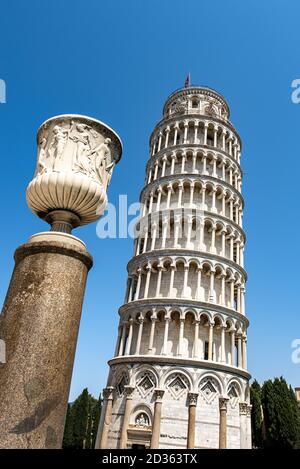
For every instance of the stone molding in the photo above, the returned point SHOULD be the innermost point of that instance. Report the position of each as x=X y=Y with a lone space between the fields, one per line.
x=54 y=247
x=198 y=177
x=223 y=403
x=137 y=305
x=182 y=117
x=191 y=147
x=180 y=362
x=183 y=253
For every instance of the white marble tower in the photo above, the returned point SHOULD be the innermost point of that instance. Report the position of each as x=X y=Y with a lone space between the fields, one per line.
x=179 y=377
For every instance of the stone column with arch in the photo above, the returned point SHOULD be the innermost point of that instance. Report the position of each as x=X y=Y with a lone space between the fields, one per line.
x=128 y=392
x=223 y=423
x=107 y=407
x=192 y=403
x=158 y=393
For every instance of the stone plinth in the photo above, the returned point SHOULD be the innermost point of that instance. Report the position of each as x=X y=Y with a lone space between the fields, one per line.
x=41 y=318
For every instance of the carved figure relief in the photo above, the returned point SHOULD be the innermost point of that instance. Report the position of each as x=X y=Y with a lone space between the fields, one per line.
x=180 y=106
x=142 y=420
x=210 y=110
x=77 y=147
x=82 y=140
x=57 y=146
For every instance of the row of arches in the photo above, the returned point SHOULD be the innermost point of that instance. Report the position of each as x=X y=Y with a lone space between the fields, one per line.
x=159 y=380
x=185 y=277
x=192 y=232
x=195 y=131
x=174 y=333
x=141 y=405
x=188 y=193
x=190 y=161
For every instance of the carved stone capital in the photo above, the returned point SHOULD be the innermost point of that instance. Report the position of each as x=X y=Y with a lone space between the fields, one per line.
x=158 y=393
x=223 y=403
x=243 y=406
x=108 y=393
x=128 y=390
x=193 y=396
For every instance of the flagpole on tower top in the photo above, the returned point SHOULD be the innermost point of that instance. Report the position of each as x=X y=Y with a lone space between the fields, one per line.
x=187 y=82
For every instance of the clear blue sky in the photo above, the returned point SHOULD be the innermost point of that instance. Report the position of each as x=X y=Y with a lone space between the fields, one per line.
x=118 y=61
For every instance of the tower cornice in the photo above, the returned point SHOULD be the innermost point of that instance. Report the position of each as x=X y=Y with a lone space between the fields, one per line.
x=192 y=116
x=193 y=147
x=178 y=361
x=181 y=253
x=199 y=177
x=205 y=213
x=184 y=303
x=204 y=90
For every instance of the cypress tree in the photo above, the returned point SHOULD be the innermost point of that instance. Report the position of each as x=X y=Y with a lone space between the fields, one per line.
x=80 y=412
x=68 y=433
x=281 y=419
x=268 y=403
x=96 y=413
x=296 y=416
x=88 y=439
x=82 y=421
x=256 y=415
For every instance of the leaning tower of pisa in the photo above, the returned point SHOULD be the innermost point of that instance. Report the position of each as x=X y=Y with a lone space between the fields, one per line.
x=179 y=376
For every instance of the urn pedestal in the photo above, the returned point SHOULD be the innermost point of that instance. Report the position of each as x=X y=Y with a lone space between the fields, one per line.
x=42 y=309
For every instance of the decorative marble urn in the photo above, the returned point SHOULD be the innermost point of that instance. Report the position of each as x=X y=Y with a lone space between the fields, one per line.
x=76 y=158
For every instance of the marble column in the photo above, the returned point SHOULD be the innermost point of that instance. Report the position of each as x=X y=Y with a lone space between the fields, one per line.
x=118 y=342
x=196 y=339
x=249 y=429
x=239 y=351
x=243 y=424
x=122 y=341
x=107 y=411
x=223 y=351
x=148 y=269
x=156 y=418
x=244 y=352
x=127 y=411
x=223 y=423
x=140 y=322
x=129 y=338
x=232 y=354
x=40 y=322
x=180 y=338
x=138 y=285
x=151 y=337
x=192 y=399
x=210 y=341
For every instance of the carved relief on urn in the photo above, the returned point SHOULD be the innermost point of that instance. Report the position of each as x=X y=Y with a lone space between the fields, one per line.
x=76 y=158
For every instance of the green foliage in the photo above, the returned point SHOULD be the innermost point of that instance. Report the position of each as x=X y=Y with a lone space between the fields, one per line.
x=82 y=422
x=68 y=434
x=96 y=412
x=275 y=415
x=256 y=415
x=80 y=411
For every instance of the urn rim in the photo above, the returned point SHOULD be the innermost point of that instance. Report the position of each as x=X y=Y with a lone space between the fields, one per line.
x=87 y=118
